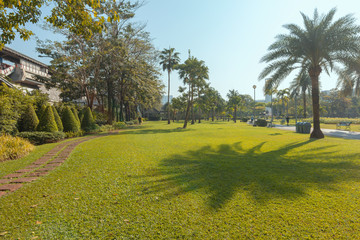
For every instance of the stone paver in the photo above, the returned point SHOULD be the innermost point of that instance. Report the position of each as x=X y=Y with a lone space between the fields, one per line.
x=37 y=174
x=23 y=180
x=2 y=193
x=13 y=175
x=24 y=170
x=10 y=187
x=3 y=181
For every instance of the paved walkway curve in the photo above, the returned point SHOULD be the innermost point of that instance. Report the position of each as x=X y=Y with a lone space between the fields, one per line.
x=327 y=132
x=42 y=166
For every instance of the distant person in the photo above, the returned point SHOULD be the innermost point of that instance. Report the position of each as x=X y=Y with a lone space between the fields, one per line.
x=287 y=120
x=140 y=120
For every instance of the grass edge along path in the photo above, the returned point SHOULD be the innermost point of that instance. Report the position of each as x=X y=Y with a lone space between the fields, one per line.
x=42 y=166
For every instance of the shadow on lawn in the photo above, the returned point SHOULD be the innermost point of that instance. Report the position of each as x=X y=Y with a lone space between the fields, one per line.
x=156 y=131
x=220 y=173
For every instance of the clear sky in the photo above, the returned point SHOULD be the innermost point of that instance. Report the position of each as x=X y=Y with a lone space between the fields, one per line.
x=230 y=35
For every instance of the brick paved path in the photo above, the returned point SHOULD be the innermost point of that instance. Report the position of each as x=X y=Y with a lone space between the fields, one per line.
x=42 y=166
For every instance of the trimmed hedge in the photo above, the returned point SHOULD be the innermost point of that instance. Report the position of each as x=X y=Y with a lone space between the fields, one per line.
x=57 y=119
x=119 y=125
x=76 y=115
x=47 y=121
x=244 y=119
x=28 y=120
x=88 y=123
x=69 y=121
x=261 y=123
x=42 y=137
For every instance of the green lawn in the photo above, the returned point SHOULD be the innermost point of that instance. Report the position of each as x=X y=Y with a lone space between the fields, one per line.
x=211 y=181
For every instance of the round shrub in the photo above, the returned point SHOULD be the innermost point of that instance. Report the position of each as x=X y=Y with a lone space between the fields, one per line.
x=69 y=121
x=88 y=122
x=28 y=120
x=47 y=121
x=57 y=119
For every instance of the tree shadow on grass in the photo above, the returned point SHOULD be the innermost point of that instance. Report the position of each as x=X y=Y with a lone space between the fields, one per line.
x=219 y=173
x=157 y=131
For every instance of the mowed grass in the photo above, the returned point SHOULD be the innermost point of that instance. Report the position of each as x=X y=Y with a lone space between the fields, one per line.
x=211 y=181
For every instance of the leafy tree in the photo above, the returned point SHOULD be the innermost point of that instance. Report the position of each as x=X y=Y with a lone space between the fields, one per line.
x=88 y=123
x=57 y=119
x=69 y=121
x=283 y=96
x=79 y=17
x=13 y=103
x=234 y=100
x=317 y=47
x=29 y=120
x=169 y=59
x=47 y=121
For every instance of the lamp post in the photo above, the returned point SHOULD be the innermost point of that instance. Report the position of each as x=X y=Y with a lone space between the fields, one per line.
x=254 y=101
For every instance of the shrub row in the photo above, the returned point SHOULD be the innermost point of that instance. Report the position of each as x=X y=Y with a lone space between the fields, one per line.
x=42 y=137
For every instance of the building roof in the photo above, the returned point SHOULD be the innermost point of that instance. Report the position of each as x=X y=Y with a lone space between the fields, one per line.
x=12 y=55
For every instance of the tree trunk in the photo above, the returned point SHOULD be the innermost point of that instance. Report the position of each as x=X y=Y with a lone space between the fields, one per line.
x=168 y=97
x=314 y=73
x=304 y=99
x=235 y=115
x=192 y=106
x=187 y=109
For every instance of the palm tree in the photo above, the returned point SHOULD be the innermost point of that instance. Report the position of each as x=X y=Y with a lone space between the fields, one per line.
x=349 y=78
x=316 y=47
x=193 y=72
x=169 y=59
x=283 y=95
x=301 y=83
x=234 y=100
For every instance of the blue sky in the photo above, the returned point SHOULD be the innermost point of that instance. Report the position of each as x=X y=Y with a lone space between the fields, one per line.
x=230 y=36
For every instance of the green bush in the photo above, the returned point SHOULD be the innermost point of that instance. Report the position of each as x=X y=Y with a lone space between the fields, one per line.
x=261 y=123
x=42 y=137
x=119 y=125
x=29 y=120
x=69 y=121
x=74 y=134
x=13 y=103
x=47 y=121
x=13 y=147
x=106 y=128
x=88 y=123
x=76 y=115
x=100 y=118
x=57 y=119
x=41 y=111
x=244 y=119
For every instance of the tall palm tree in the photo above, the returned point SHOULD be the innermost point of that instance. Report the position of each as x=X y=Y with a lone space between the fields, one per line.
x=169 y=59
x=234 y=100
x=193 y=72
x=301 y=83
x=283 y=95
x=316 y=47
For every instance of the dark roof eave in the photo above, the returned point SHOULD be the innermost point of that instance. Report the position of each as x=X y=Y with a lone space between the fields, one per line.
x=23 y=56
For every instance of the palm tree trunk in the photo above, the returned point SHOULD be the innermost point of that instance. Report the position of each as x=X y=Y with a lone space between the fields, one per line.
x=314 y=73
x=187 y=109
x=235 y=115
x=168 y=97
x=192 y=105
x=304 y=99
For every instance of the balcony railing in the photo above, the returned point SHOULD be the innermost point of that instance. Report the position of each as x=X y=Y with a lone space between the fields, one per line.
x=33 y=71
